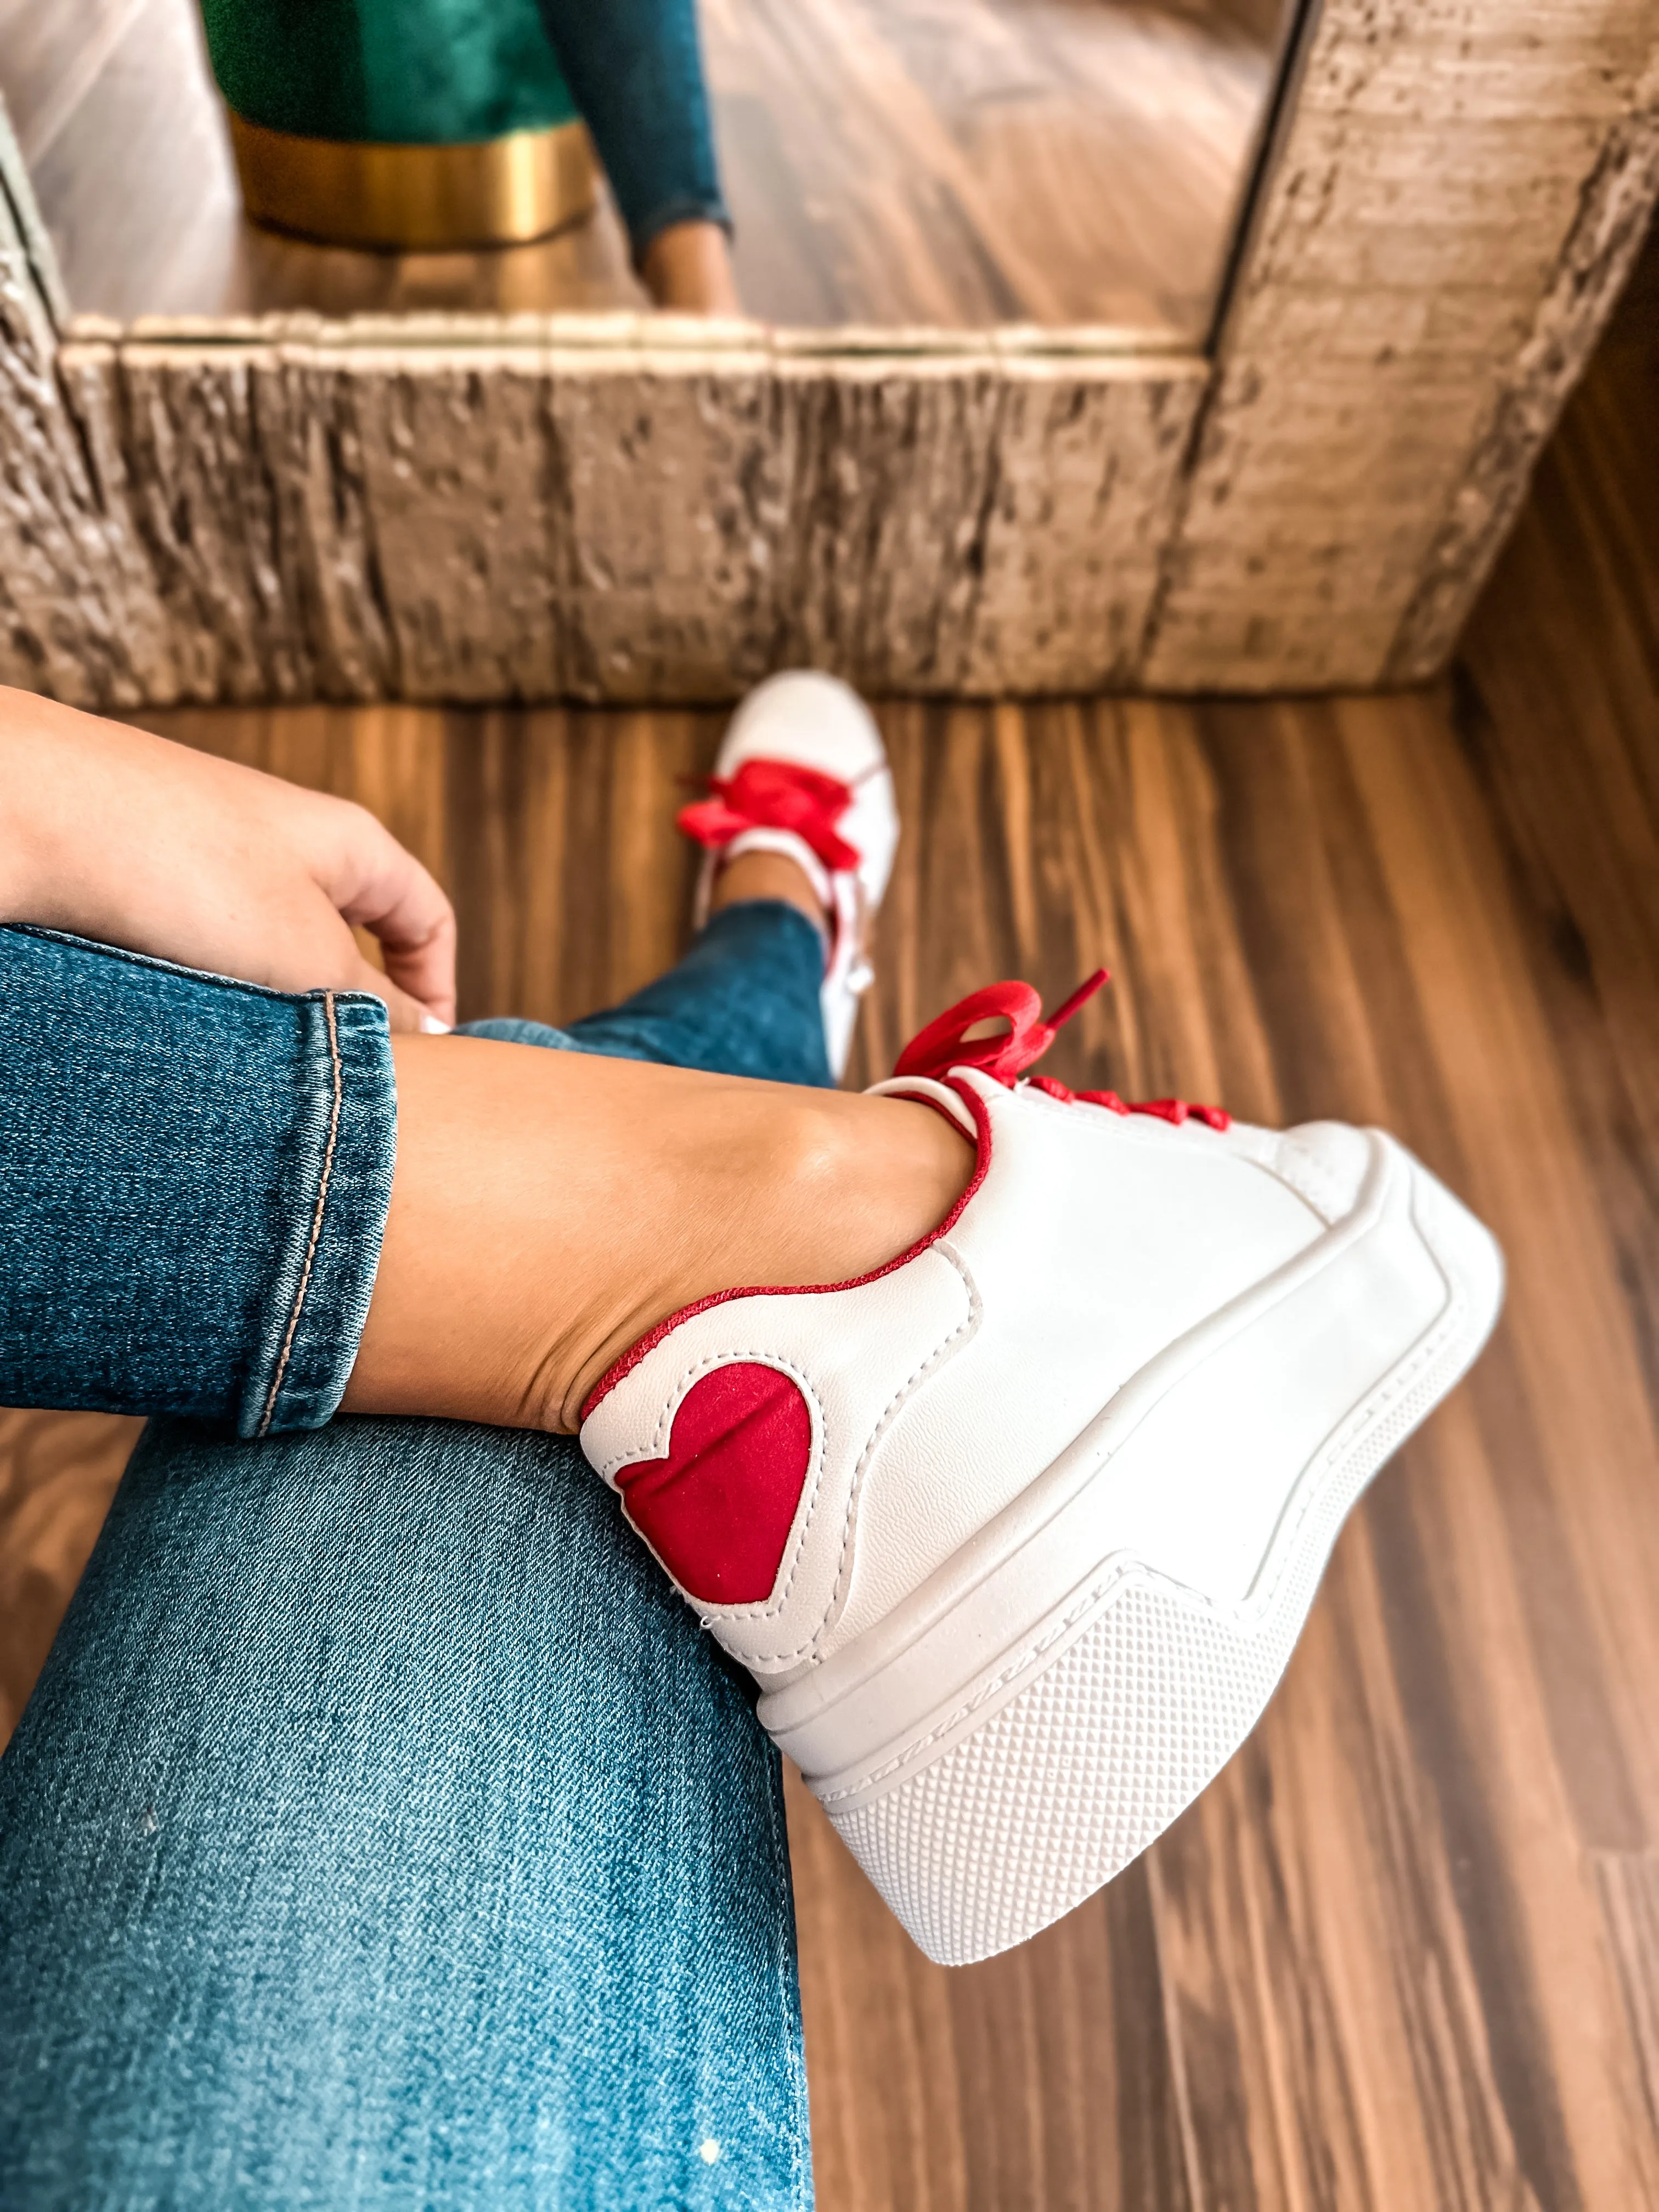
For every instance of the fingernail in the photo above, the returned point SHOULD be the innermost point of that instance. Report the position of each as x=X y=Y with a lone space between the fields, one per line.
x=432 y=1027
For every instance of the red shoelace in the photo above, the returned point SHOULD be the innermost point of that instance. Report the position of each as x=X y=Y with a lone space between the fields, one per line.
x=946 y=1042
x=768 y=794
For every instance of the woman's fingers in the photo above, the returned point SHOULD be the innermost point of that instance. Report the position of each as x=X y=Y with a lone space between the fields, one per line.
x=379 y=886
x=426 y=969
x=408 y=1015
x=136 y=840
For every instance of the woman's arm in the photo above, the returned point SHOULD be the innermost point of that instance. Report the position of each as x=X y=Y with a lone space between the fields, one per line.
x=111 y=833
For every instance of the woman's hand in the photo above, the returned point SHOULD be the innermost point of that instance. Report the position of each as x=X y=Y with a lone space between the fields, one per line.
x=114 y=835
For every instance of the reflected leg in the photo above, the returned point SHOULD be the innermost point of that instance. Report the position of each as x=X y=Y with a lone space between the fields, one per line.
x=635 y=68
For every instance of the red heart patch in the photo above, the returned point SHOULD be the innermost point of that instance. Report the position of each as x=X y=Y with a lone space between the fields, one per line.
x=718 y=1509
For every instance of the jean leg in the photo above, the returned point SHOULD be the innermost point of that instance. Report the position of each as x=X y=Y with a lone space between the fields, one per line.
x=384 y=1833
x=635 y=69
x=194 y=1174
x=743 y=1001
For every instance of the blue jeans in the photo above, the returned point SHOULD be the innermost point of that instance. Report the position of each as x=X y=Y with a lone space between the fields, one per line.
x=635 y=68
x=383 y=1831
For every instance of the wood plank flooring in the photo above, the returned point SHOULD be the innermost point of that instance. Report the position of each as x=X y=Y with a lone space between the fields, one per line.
x=1404 y=1953
x=958 y=162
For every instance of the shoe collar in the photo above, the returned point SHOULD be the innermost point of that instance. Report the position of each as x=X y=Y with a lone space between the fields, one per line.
x=964 y=1105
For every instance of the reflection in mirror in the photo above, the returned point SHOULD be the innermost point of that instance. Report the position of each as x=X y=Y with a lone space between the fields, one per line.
x=961 y=163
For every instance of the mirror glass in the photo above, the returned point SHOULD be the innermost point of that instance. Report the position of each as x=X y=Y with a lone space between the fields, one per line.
x=959 y=163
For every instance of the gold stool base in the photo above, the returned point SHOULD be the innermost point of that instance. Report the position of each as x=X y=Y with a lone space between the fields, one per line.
x=416 y=199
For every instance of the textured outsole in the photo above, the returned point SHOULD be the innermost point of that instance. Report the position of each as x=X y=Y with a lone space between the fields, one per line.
x=1148 y=1689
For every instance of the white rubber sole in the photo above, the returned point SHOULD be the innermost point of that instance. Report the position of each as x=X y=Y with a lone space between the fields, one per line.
x=1038 y=1712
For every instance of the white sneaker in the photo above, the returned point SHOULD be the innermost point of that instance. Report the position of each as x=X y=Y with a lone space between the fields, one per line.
x=802 y=771
x=1018 y=1533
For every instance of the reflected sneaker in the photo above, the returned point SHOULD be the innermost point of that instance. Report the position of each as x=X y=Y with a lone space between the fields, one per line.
x=802 y=771
x=1017 y=1534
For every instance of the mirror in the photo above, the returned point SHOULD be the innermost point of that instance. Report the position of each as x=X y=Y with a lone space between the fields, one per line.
x=953 y=163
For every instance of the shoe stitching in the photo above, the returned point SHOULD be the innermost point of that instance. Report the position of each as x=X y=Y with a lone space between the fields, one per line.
x=890 y=1413
x=662 y=1436
x=1345 y=1442
x=316 y=1216
x=750 y=1616
x=1309 y=1178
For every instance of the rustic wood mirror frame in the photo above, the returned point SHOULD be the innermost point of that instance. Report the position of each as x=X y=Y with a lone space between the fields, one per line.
x=642 y=509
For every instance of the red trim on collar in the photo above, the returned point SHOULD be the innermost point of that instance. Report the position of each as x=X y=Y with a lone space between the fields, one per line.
x=630 y=1360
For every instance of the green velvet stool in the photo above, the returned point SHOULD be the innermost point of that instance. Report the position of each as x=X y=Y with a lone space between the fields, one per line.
x=404 y=124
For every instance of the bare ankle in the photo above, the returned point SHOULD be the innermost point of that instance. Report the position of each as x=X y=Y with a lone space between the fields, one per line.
x=549 y=1210
x=788 y=1189
x=767 y=876
x=687 y=269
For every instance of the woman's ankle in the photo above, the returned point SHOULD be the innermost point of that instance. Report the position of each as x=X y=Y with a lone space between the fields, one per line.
x=687 y=270
x=549 y=1209
x=784 y=1188
x=767 y=876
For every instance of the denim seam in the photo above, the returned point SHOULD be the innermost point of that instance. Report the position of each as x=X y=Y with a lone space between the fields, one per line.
x=236 y=984
x=316 y=1219
x=785 y=1956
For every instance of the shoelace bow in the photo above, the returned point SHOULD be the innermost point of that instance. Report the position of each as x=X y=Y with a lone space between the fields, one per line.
x=948 y=1041
x=769 y=794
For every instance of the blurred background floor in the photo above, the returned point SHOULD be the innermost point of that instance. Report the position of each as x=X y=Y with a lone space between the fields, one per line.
x=959 y=162
x=1405 y=1952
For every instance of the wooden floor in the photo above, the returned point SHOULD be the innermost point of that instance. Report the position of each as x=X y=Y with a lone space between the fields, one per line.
x=1404 y=1953
x=959 y=162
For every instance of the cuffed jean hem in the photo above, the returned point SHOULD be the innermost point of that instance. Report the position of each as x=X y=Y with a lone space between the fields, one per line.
x=194 y=1179
x=342 y=1148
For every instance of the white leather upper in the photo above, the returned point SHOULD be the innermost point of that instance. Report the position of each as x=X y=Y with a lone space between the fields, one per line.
x=943 y=1388
x=1097 y=1238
